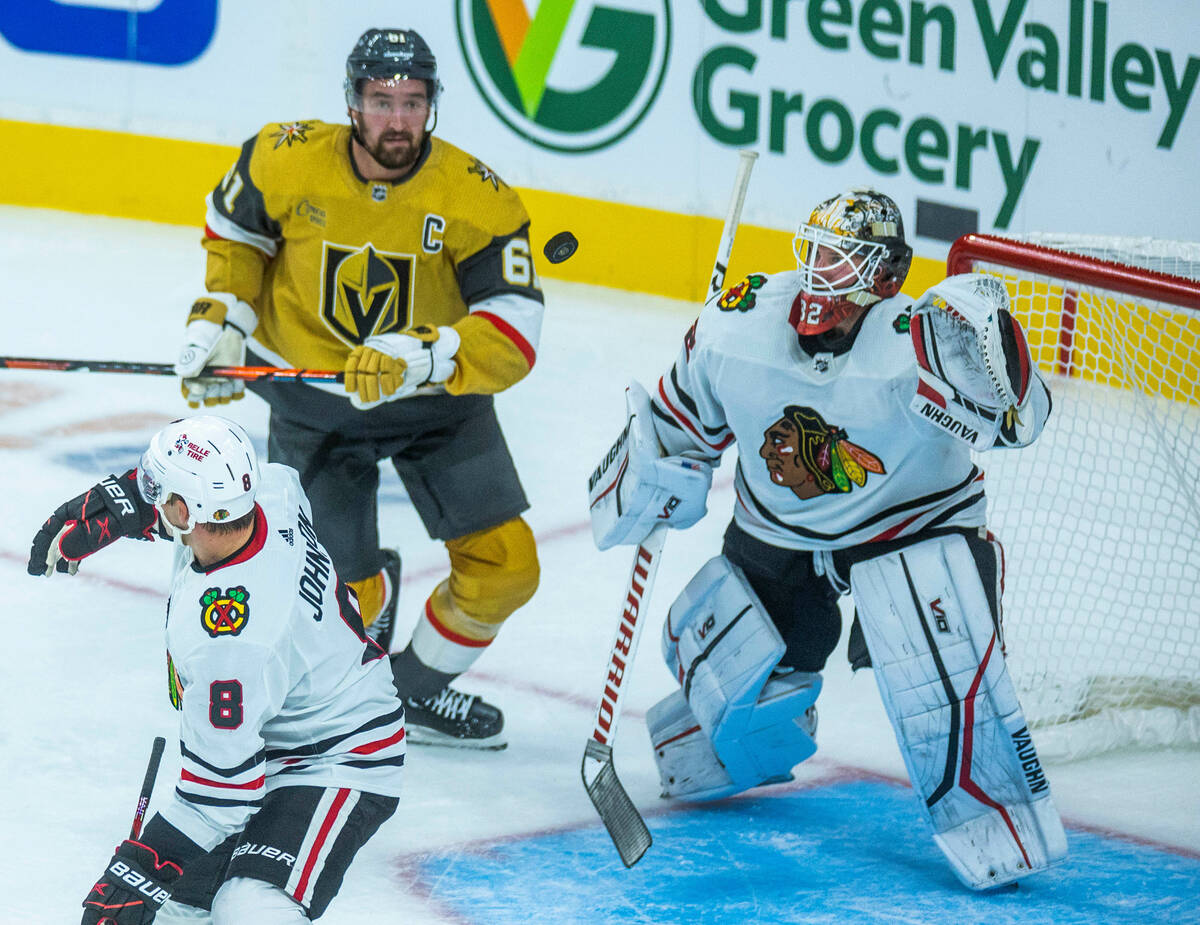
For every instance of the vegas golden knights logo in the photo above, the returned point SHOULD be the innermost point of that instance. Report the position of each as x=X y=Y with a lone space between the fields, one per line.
x=366 y=291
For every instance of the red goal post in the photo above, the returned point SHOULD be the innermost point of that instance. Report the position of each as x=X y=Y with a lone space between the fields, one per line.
x=1100 y=518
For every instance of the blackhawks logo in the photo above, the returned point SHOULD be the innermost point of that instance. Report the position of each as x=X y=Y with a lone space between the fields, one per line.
x=811 y=458
x=224 y=614
x=742 y=297
x=174 y=684
x=901 y=323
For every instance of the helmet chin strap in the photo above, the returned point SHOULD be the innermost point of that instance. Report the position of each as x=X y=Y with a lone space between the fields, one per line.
x=173 y=531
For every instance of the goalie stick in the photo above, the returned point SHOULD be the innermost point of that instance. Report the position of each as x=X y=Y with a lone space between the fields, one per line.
x=249 y=373
x=156 y=753
x=625 y=824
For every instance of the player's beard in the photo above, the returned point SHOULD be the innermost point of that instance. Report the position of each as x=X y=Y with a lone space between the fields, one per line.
x=390 y=155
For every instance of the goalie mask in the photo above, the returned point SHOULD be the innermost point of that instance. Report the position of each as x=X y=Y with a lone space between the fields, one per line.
x=207 y=461
x=850 y=254
x=390 y=55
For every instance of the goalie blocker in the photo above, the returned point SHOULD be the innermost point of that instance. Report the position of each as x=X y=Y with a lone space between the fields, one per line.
x=635 y=488
x=940 y=669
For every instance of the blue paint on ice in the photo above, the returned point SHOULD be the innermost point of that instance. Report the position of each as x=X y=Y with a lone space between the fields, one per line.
x=854 y=852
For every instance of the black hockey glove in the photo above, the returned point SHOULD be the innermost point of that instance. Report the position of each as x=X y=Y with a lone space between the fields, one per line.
x=132 y=889
x=100 y=516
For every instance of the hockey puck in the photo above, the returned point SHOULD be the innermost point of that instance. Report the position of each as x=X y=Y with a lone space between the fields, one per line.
x=560 y=247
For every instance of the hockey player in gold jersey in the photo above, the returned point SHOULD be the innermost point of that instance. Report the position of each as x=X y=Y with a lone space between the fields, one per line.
x=381 y=250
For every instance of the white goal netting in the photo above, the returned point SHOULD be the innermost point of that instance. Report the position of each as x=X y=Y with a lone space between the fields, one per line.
x=1100 y=518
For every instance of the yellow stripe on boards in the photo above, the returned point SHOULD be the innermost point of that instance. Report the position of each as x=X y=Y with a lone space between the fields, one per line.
x=110 y=173
x=165 y=180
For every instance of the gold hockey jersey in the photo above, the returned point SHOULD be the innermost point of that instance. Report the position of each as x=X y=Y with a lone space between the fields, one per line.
x=328 y=259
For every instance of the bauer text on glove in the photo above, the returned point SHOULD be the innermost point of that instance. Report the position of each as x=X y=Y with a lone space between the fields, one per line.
x=133 y=888
x=87 y=523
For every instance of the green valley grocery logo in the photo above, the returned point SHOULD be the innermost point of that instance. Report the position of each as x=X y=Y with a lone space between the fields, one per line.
x=573 y=75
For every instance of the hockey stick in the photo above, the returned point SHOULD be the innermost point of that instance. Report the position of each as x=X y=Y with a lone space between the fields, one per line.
x=156 y=753
x=625 y=824
x=249 y=373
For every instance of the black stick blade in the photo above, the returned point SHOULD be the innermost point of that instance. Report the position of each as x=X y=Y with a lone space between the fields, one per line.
x=624 y=823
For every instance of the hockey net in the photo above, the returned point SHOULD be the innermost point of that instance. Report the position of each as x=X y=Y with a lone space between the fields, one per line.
x=1100 y=518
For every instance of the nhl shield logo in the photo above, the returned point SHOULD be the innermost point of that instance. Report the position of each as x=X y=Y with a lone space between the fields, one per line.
x=224 y=614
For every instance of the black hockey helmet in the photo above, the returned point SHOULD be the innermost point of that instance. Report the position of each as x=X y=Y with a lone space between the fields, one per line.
x=390 y=54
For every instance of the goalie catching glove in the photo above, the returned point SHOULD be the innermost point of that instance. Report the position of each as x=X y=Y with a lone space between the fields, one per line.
x=973 y=362
x=387 y=367
x=635 y=488
x=99 y=517
x=216 y=333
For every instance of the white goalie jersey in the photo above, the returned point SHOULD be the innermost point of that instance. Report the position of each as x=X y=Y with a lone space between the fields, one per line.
x=277 y=683
x=831 y=453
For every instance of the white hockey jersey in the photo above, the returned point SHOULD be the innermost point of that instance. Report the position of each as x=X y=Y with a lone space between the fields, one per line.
x=830 y=454
x=279 y=686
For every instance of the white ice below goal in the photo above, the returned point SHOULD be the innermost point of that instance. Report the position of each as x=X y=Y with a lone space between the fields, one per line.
x=1100 y=518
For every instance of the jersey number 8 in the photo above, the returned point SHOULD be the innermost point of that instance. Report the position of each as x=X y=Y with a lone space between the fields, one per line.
x=225 y=704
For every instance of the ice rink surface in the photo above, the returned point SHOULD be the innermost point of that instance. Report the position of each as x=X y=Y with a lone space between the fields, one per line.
x=481 y=837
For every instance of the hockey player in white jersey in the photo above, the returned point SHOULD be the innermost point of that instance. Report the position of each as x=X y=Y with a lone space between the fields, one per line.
x=291 y=731
x=855 y=413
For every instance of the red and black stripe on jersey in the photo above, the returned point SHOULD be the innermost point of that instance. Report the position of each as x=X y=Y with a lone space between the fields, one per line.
x=916 y=508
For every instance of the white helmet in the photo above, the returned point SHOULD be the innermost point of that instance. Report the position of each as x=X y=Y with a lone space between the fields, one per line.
x=850 y=253
x=206 y=460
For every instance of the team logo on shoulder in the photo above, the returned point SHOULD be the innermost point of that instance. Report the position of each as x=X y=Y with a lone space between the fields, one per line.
x=292 y=132
x=901 y=323
x=485 y=173
x=743 y=296
x=365 y=291
x=224 y=614
x=811 y=458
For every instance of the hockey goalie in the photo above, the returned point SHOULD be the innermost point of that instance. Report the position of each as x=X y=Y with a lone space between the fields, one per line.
x=855 y=412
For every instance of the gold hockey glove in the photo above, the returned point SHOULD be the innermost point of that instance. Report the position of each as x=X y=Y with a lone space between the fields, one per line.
x=388 y=367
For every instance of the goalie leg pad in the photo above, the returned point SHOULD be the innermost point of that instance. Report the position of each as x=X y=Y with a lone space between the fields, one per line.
x=722 y=647
x=687 y=765
x=941 y=673
x=780 y=734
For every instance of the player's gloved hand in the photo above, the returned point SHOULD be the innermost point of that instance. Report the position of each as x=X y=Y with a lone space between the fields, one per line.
x=99 y=517
x=967 y=319
x=391 y=366
x=635 y=487
x=217 y=328
x=132 y=889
